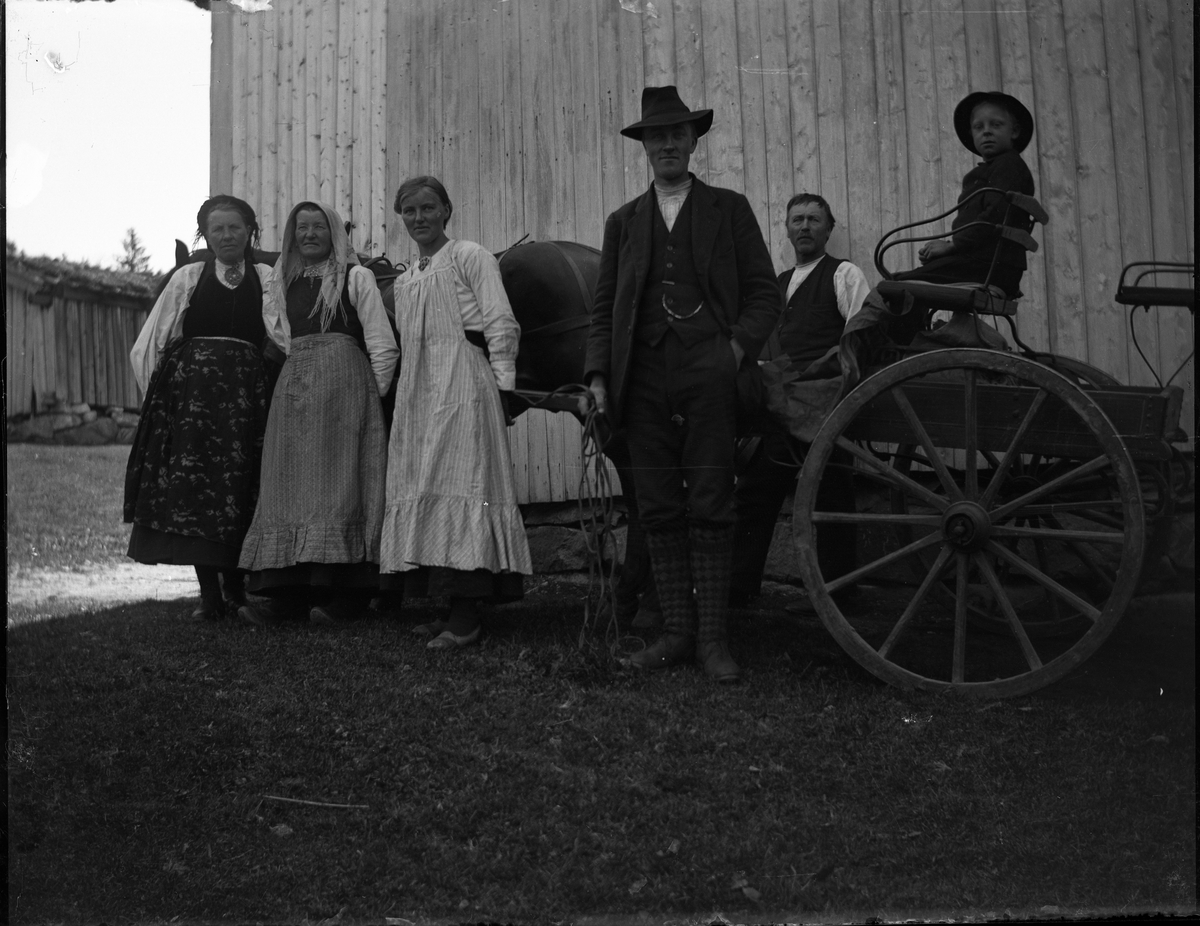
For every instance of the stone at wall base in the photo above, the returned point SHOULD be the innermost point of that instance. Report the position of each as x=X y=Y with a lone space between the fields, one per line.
x=125 y=435
x=35 y=430
x=557 y=549
x=124 y=419
x=60 y=421
x=100 y=431
x=66 y=408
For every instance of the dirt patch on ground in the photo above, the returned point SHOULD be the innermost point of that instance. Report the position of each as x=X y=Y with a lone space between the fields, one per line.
x=100 y=586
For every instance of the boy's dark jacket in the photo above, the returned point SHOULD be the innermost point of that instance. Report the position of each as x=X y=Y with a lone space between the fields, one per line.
x=1006 y=171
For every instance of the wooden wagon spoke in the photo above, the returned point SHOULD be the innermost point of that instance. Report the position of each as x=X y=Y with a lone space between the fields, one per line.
x=1031 y=657
x=1088 y=557
x=931 y=577
x=896 y=478
x=1094 y=512
x=1045 y=581
x=1091 y=466
x=1064 y=534
x=957 y=671
x=1013 y=451
x=932 y=456
x=971 y=433
x=1043 y=562
x=872 y=517
x=887 y=559
x=1080 y=508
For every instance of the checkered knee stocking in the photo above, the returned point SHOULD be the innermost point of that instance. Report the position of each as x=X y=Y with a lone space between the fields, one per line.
x=673 y=578
x=712 y=569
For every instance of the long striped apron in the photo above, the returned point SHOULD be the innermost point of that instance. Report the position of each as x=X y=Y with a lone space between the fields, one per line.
x=451 y=498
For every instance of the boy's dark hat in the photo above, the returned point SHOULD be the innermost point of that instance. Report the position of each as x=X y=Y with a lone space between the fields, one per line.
x=662 y=106
x=962 y=117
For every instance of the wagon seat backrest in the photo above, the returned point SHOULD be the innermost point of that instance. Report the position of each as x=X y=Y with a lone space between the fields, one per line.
x=978 y=298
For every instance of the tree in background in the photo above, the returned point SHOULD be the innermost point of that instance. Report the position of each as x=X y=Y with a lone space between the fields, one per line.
x=134 y=257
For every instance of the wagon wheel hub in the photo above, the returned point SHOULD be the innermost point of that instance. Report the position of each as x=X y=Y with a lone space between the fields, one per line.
x=966 y=526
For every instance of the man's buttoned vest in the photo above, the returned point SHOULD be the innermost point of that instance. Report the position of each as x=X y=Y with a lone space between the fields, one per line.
x=672 y=298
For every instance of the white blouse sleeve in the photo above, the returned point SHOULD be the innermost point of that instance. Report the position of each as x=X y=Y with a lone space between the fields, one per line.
x=481 y=271
x=165 y=322
x=851 y=287
x=275 y=318
x=377 y=331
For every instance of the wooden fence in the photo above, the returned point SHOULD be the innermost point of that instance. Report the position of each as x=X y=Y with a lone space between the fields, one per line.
x=517 y=107
x=72 y=346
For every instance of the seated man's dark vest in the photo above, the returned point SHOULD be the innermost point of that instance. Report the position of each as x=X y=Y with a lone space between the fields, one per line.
x=673 y=299
x=811 y=323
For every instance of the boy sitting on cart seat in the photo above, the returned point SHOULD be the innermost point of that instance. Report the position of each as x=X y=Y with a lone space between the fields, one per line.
x=997 y=127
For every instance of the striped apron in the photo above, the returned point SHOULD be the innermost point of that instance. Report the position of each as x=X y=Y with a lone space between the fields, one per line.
x=451 y=498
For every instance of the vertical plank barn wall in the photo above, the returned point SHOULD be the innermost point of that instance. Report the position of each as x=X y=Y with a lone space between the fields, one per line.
x=517 y=106
x=71 y=347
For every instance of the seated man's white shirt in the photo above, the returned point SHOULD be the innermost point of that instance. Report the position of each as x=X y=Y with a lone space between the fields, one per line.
x=849 y=283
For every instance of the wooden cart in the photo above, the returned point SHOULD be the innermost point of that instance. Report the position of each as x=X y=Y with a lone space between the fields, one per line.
x=1019 y=493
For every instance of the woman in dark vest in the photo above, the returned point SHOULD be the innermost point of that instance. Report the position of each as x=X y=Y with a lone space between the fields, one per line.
x=192 y=479
x=314 y=544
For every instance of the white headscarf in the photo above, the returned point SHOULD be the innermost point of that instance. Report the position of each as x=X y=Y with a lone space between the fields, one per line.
x=290 y=265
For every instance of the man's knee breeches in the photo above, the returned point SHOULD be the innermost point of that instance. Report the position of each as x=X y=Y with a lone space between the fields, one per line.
x=680 y=418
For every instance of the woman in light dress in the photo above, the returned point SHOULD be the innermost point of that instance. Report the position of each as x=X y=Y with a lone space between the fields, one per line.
x=452 y=527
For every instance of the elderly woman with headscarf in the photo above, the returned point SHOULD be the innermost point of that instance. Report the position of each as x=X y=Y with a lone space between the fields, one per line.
x=192 y=477
x=313 y=547
x=452 y=528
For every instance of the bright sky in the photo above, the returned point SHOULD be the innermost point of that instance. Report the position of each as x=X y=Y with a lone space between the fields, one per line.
x=107 y=125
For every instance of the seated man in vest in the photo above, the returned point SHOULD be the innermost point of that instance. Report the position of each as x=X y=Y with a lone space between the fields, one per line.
x=822 y=293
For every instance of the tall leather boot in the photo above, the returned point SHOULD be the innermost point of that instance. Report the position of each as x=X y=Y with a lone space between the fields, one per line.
x=673 y=578
x=712 y=566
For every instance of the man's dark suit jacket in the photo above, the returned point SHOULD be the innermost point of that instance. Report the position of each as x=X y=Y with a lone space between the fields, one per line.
x=732 y=262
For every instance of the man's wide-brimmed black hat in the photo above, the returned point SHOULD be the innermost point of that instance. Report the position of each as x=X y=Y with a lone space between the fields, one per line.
x=662 y=106
x=962 y=117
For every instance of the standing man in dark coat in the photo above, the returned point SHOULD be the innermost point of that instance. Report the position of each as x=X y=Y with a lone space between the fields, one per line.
x=686 y=294
x=822 y=292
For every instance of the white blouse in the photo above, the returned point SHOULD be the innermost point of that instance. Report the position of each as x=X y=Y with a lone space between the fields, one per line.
x=166 y=318
x=372 y=315
x=483 y=304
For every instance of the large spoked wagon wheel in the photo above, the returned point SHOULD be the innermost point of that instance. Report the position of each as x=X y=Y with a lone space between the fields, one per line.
x=1041 y=613
x=1016 y=495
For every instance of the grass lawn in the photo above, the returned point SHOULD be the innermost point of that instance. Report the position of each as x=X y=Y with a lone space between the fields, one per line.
x=529 y=781
x=64 y=506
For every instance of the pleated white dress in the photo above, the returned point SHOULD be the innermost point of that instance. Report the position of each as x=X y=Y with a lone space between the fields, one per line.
x=450 y=498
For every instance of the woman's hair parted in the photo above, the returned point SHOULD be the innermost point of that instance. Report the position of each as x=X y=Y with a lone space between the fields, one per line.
x=240 y=206
x=433 y=184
